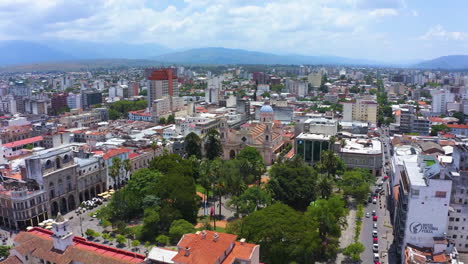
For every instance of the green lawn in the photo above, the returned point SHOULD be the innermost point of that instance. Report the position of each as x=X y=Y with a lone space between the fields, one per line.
x=429 y=163
x=200 y=188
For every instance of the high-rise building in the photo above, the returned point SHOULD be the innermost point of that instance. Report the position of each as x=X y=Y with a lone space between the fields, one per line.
x=360 y=110
x=315 y=79
x=423 y=203
x=162 y=83
x=59 y=101
x=440 y=98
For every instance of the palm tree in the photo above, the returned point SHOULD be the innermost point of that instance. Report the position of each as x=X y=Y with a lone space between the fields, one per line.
x=342 y=145
x=325 y=185
x=127 y=166
x=115 y=169
x=154 y=147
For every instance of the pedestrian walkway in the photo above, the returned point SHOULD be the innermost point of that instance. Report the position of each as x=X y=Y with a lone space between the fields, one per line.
x=347 y=235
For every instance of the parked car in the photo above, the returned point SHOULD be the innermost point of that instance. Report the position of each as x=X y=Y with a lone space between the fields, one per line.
x=375 y=233
x=376 y=240
x=375 y=247
x=374 y=201
x=376 y=257
x=385 y=177
x=375 y=225
x=369 y=200
x=374 y=218
x=373 y=212
x=367 y=215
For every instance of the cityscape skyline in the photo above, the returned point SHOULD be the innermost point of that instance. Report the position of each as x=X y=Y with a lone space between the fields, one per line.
x=375 y=30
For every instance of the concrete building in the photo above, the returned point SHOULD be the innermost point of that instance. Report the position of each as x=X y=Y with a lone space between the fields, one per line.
x=315 y=79
x=74 y=101
x=59 y=101
x=410 y=122
x=140 y=115
x=90 y=98
x=440 y=98
x=422 y=203
x=310 y=146
x=321 y=126
x=22 y=204
x=364 y=110
x=162 y=83
x=361 y=153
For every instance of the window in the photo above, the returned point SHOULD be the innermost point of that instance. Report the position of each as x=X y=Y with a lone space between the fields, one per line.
x=440 y=194
x=454 y=236
x=451 y=219
x=414 y=193
x=455 y=228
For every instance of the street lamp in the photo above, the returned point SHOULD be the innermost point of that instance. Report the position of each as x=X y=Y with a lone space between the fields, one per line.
x=79 y=213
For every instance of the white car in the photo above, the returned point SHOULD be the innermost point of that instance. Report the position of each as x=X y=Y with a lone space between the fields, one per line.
x=374 y=201
x=376 y=257
x=375 y=233
x=373 y=212
x=375 y=225
x=367 y=215
x=375 y=247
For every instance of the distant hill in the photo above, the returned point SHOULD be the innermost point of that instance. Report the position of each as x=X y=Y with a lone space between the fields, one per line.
x=21 y=52
x=239 y=56
x=79 y=65
x=452 y=62
x=95 y=50
x=16 y=52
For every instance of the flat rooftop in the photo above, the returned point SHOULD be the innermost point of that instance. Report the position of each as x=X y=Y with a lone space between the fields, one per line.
x=362 y=146
x=310 y=136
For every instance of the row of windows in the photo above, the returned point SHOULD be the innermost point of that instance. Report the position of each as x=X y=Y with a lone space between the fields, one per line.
x=438 y=194
x=27 y=204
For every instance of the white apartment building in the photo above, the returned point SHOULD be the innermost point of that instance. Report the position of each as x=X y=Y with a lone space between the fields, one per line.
x=440 y=98
x=74 y=101
x=423 y=203
x=364 y=110
x=315 y=79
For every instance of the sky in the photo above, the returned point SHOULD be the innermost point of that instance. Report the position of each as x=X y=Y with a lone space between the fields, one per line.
x=383 y=30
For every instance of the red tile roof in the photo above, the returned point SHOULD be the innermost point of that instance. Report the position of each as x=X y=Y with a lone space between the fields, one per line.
x=435 y=119
x=133 y=155
x=114 y=152
x=203 y=250
x=38 y=243
x=240 y=251
x=458 y=126
x=23 y=142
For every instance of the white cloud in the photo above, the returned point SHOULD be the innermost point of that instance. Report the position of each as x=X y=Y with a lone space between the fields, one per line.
x=384 y=12
x=301 y=26
x=439 y=33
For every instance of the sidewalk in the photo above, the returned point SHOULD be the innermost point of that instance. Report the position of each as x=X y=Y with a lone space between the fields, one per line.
x=347 y=235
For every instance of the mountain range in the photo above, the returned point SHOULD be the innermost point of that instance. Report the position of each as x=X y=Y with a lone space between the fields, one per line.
x=17 y=52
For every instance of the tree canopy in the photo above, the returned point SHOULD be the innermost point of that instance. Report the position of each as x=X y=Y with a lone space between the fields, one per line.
x=213 y=147
x=193 y=145
x=284 y=234
x=293 y=183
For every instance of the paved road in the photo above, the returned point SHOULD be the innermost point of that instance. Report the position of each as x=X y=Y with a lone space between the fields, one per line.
x=384 y=228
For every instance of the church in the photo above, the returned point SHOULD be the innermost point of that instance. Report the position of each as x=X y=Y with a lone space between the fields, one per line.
x=266 y=136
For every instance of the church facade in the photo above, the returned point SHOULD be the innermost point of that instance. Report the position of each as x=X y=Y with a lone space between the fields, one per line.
x=265 y=136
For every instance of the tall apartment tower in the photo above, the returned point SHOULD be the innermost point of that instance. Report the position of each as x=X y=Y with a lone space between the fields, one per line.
x=162 y=83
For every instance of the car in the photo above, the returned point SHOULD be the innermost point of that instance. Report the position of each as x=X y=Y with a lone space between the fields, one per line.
x=375 y=233
x=375 y=247
x=367 y=215
x=376 y=240
x=369 y=200
x=376 y=257
x=374 y=201
x=385 y=177
x=373 y=212
x=374 y=218
x=375 y=225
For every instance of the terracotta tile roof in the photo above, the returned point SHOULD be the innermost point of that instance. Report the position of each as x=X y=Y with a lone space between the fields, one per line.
x=435 y=119
x=133 y=155
x=12 y=260
x=458 y=126
x=203 y=250
x=114 y=152
x=240 y=251
x=23 y=142
x=38 y=243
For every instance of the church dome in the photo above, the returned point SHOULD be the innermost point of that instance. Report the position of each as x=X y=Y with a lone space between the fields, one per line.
x=266 y=108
